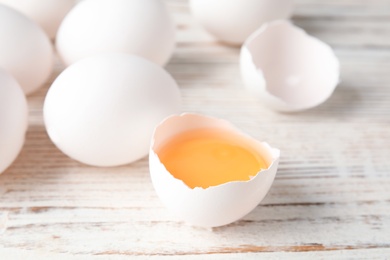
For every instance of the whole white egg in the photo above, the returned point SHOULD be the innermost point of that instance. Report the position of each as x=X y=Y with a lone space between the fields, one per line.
x=232 y=21
x=25 y=50
x=13 y=119
x=47 y=13
x=140 y=27
x=102 y=110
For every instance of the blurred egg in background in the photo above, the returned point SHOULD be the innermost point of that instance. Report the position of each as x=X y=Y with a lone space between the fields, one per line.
x=47 y=13
x=25 y=50
x=232 y=21
x=142 y=28
x=13 y=119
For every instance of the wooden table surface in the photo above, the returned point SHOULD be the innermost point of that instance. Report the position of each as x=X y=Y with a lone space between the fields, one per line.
x=331 y=196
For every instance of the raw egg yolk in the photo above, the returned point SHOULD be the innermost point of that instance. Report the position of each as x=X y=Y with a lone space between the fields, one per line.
x=210 y=157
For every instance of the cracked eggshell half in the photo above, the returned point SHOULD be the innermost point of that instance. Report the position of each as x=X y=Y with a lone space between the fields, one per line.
x=232 y=21
x=13 y=119
x=25 y=50
x=217 y=205
x=288 y=69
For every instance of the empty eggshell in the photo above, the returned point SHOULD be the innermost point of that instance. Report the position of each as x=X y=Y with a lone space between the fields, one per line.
x=288 y=69
x=140 y=27
x=217 y=205
x=47 y=13
x=102 y=110
x=25 y=50
x=13 y=119
x=232 y=21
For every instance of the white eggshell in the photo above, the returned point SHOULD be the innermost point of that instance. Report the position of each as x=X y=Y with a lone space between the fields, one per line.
x=102 y=110
x=25 y=50
x=288 y=69
x=47 y=13
x=140 y=27
x=13 y=119
x=216 y=205
x=232 y=21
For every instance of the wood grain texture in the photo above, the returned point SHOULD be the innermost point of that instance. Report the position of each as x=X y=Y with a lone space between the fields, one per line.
x=331 y=197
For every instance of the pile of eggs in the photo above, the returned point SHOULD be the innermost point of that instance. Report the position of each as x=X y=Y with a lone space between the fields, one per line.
x=115 y=103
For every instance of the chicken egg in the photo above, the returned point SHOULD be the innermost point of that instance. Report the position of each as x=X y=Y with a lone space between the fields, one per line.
x=47 y=13
x=25 y=50
x=288 y=69
x=102 y=110
x=140 y=27
x=232 y=21
x=208 y=172
x=13 y=119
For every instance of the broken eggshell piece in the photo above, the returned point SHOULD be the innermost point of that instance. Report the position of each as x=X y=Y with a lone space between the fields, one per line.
x=217 y=205
x=288 y=69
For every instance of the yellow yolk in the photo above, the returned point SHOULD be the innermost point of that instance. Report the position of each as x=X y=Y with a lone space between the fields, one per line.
x=210 y=157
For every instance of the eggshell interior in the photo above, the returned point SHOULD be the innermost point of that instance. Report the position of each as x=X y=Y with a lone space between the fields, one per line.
x=289 y=69
x=216 y=205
